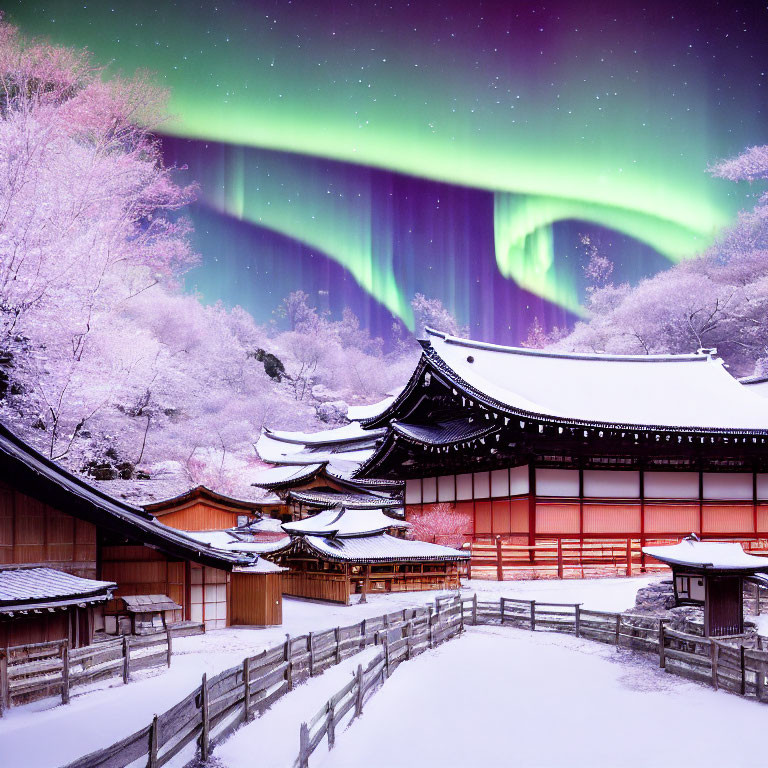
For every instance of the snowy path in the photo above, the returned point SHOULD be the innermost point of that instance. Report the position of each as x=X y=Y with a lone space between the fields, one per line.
x=272 y=741
x=101 y=717
x=498 y=697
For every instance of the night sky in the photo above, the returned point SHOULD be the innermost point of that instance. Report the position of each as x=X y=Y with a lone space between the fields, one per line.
x=367 y=151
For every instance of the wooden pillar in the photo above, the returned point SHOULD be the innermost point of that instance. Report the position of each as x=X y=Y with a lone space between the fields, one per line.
x=531 y=506
x=205 y=734
x=153 y=744
x=65 y=672
x=246 y=690
x=499 y=567
x=126 y=658
x=642 y=519
x=5 y=698
x=701 y=504
x=629 y=557
x=559 y=558
x=754 y=502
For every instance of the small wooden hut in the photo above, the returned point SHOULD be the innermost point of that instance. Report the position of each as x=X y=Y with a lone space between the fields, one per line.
x=340 y=552
x=39 y=604
x=712 y=574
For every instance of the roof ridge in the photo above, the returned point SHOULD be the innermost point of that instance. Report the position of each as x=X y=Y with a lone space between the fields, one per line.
x=492 y=347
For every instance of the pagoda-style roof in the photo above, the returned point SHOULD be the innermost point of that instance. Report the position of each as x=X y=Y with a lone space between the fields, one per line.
x=33 y=474
x=341 y=522
x=476 y=406
x=363 y=412
x=326 y=498
x=691 y=392
x=287 y=475
x=24 y=589
x=708 y=556
x=379 y=548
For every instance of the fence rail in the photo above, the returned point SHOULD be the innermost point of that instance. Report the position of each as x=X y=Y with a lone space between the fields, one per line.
x=427 y=628
x=39 y=670
x=220 y=704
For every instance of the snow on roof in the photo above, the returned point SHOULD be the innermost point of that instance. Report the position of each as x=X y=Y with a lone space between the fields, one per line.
x=361 y=412
x=708 y=554
x=149 y=603
x=285 y=474
x=380 y=548
x=230 y=542
x=328 y=497
x=342 y=522
x=278 y=451
x=261 y=566
x=347 y=433
x=693 y=391
x=21 y=586
x=756 y=384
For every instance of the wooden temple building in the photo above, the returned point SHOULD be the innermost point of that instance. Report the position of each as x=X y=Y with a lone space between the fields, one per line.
x=201 y=509
x=343 y=551
x=68 y=547
x=712 y=574
x=573 y=462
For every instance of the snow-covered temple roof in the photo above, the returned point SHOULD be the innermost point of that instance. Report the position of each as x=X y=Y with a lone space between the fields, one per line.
x=325 y=498
x=378 y=548
x=232 y=542
x=36 y=588
x=756 y=384
x=286 y=475
x=344 y=523
x=684 y=391
x=204 y=493
x=362 y=412
x=708 y=555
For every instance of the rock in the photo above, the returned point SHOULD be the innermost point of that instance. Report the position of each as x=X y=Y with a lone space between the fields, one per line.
x=273 y=366
x=334 y=412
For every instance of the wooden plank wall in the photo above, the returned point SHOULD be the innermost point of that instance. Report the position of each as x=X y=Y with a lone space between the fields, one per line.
x=201 y=516
x=34 y=533
x=256 y=599
x=143 y=571
x=332 y=587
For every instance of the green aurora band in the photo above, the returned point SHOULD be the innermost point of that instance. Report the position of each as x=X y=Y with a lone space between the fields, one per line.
x=611 y=120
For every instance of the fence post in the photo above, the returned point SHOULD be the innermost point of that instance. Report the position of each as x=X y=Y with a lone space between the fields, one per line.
x=757 y=599
x=337 y=637
x=303 y=746
x=474 y=608
x=533 y=615
x=170 y=645
x=714 y=652
x=501 y=610
x=743 y=671
x=618 y=630
x=559 y=558
x=287 y=654
x=329 y=724
x=311 y=649
x=5 y=698
x=429 y=625
x=362 y=631
x=246 y=689
x=359 y=697
x=153 y=744
x=386 y=657
x=662 y=658
x=205 y=735
x=577 y=619
x=499 y=569
x=65 y=672
x=126 y=658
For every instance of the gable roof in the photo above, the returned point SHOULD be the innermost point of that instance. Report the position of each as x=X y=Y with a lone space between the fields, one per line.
x=201 y=492
x=343 y=523
x=685 y=392
x=380 y=548
x=325 y=498
x=708 y=555
x=35 y=588
x=37 y=476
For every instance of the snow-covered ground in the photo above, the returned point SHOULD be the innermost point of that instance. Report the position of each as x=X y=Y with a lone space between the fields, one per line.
x=272 y=740
x=112 y=711
x=499 y=696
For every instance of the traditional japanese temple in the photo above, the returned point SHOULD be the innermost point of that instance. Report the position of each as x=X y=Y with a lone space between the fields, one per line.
x=343 y=551
x=535 y=448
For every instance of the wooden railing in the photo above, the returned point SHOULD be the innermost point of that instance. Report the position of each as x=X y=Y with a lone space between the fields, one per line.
x=219 y=705
x=32 y=672
x=428 y=627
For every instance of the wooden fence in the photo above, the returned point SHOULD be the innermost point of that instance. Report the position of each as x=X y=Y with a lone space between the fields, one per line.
x=219 y=705
x=721 y=663
x=427 y=627
x=32 y=672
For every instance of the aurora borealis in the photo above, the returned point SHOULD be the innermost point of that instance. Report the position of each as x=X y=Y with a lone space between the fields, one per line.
x=364 y=152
